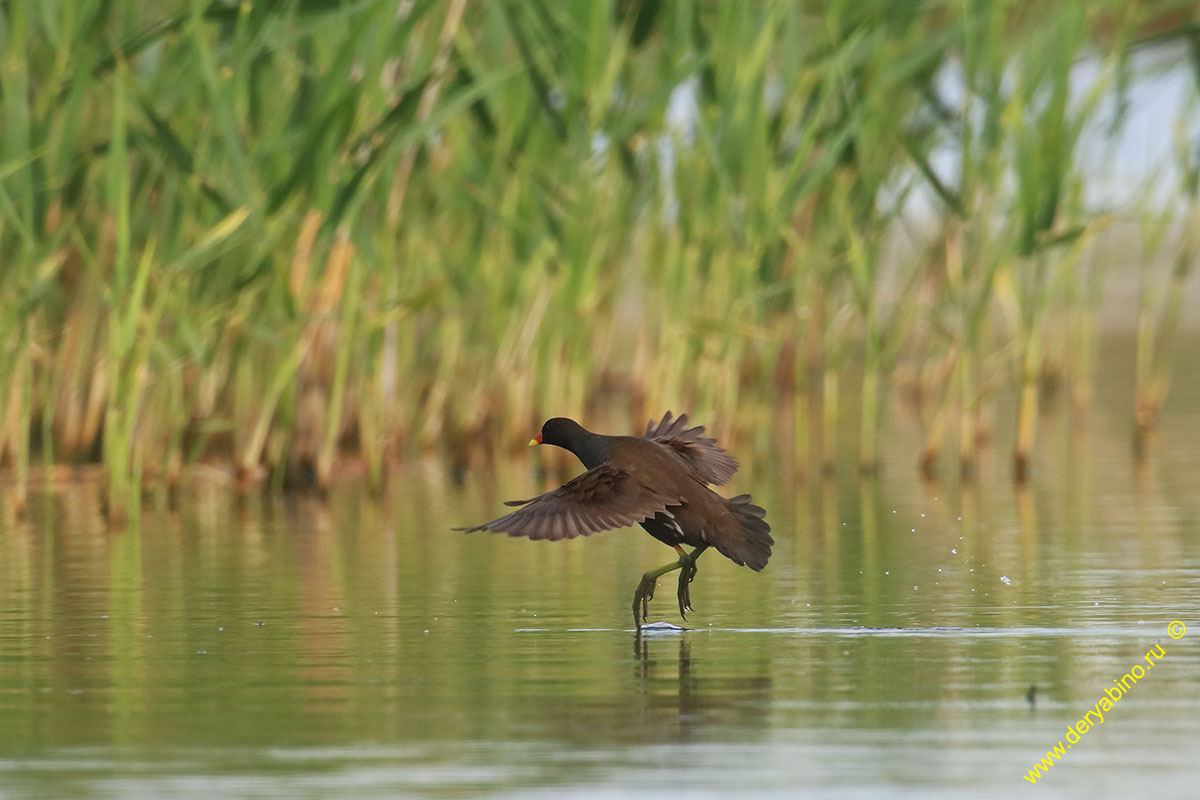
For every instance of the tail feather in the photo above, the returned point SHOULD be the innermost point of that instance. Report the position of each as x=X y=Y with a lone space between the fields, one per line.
x=753 y=546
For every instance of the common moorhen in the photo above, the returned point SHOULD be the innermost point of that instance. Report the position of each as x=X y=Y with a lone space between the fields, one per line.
x=659 y=481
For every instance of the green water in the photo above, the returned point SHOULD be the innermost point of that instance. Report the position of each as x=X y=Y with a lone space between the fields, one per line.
x=293 y=648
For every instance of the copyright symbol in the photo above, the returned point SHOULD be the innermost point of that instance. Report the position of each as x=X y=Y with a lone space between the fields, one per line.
x=1176 y=629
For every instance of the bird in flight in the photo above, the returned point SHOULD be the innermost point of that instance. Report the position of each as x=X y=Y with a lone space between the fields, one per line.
x=659 y=480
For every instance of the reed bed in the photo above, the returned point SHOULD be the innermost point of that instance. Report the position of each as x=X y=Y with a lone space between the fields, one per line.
x=273 y=235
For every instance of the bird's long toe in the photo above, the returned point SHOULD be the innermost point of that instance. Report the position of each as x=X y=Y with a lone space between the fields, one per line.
x=641 y=599
x=687 y=574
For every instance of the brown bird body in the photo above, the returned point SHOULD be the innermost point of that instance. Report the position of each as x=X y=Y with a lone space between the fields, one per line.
x=659 y=481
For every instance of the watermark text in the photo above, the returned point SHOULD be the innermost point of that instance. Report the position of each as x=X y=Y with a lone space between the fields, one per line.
x=1094 y=717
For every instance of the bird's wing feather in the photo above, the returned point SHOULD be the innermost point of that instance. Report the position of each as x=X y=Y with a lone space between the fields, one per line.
x=600 y=499
x=704 y=457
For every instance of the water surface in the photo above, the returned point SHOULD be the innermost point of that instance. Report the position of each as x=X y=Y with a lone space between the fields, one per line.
x=299 y=648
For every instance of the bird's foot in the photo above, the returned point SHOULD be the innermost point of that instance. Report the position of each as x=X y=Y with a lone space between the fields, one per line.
x=642 y=597
x=687 y=573
x=645 y=591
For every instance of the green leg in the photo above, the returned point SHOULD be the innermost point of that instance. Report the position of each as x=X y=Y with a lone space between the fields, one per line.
x=645 y=591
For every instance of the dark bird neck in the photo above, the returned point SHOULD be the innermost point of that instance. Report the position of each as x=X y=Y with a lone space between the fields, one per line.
x=593 y=449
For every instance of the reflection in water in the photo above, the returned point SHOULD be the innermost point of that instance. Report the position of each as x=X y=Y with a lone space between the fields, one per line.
x=898 y=643
x=682 y=701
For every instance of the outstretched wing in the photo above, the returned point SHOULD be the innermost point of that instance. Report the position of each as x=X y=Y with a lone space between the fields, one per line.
x=704 y=457
x=598 y=500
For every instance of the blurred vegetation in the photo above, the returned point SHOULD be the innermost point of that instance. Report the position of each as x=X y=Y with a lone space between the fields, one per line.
x=276 y=233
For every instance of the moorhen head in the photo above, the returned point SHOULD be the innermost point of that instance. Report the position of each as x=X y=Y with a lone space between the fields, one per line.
x=591 y=448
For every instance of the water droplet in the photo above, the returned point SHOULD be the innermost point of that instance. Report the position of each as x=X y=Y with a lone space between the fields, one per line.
x=954 y=550
x=220 y=629
x=915 y=587
x=1004 y=579
x=887 y=572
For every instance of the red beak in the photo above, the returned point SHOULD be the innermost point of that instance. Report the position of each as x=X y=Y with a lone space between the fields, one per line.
x=536 y=440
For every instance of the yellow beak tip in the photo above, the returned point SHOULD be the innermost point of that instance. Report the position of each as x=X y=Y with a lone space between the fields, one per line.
x=534 y=442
